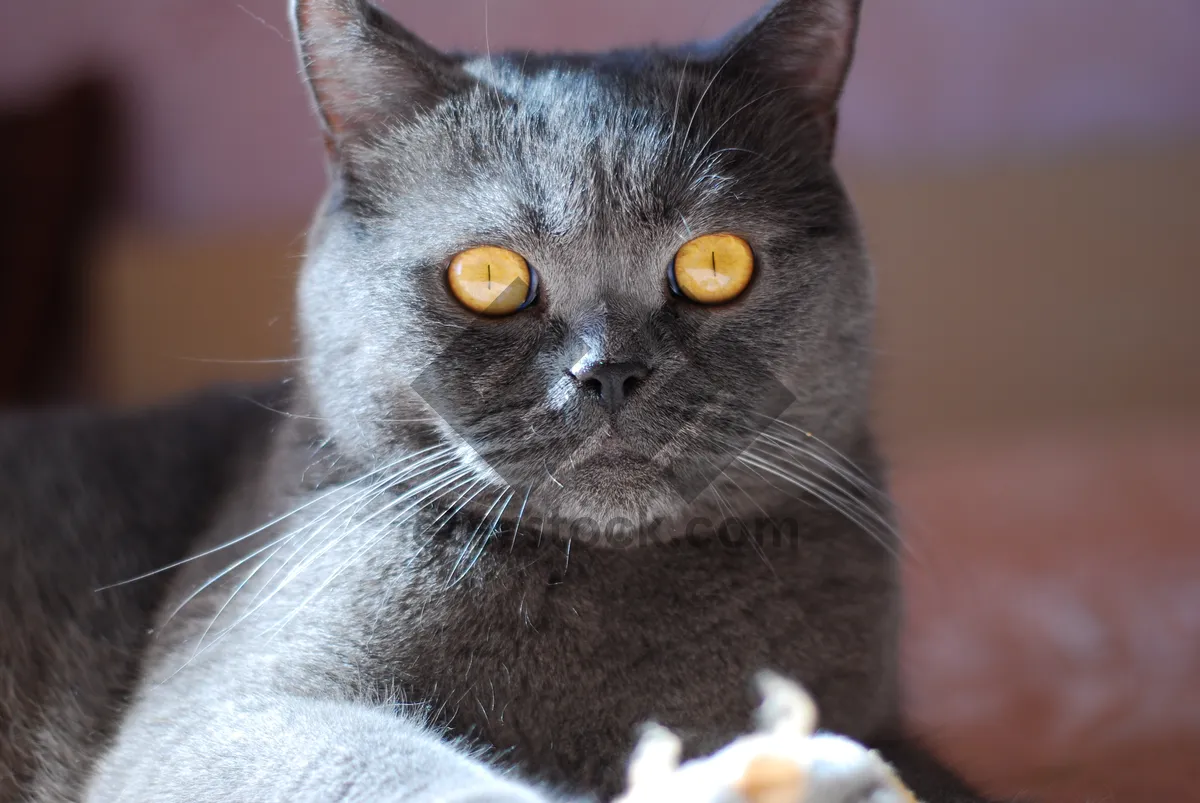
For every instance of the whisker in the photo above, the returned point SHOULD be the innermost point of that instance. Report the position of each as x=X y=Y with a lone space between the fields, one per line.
x=758 y=547
x=840 y=467
x=723 y=503
x=237 y=590
x=755 y=461
x=476 y=487
x=520 y=515
x=255 y=531
x=878 y=505
x=700 y=151
x=838 y=463
x=491 y=533
x=849 y=496
x=457 y=471
x=346 y=510
x=335 y=511
x=831 y=496
x=221 y=361
x=683 y=74
x=470 y=541
x=814 y=437
x=318 y=553
x=711 y=82
x=459 y=504
x=454 y=483
x=284 y=413
x=368 y=544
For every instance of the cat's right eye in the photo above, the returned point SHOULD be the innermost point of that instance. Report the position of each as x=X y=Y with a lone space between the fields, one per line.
x=492 y=281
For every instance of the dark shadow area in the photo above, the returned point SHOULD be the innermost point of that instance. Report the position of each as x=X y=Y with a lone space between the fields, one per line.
x=59 y=160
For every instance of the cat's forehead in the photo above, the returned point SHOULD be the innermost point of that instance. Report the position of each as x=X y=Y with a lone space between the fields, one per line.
x=579 y=138
x=562 y=154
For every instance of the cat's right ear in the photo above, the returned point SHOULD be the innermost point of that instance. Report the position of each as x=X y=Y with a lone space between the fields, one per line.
x=365 y=69
x=805 y=48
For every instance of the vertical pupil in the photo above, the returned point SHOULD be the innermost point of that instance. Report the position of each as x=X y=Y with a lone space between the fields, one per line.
x=714 y=262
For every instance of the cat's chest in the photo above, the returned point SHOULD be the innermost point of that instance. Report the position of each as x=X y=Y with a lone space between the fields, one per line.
x=560 y=661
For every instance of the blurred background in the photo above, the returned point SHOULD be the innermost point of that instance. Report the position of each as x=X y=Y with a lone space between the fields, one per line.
x=1028 y=173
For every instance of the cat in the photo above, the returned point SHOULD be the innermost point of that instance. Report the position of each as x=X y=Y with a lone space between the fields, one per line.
x=579 y=440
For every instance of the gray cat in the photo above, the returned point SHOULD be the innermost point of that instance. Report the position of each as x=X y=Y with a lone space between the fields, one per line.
x=580 y=441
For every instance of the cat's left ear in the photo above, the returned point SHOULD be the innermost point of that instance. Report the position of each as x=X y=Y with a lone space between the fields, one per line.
x=365 y=69
x=801 y=46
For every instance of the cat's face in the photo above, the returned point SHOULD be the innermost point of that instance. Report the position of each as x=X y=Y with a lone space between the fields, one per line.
x=604 y=392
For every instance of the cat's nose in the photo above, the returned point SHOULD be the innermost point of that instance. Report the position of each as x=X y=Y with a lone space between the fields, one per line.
x=611 y=383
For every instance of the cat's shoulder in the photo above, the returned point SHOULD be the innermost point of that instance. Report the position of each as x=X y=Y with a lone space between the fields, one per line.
x=55 y=457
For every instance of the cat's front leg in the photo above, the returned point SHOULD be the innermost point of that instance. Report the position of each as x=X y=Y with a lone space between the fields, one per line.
x=173 y=749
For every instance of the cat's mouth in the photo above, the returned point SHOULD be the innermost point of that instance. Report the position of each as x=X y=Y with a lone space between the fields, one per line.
x=608 y=492
x=601 y=488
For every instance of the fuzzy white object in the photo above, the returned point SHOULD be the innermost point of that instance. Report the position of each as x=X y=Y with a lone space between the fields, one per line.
x=785 y=761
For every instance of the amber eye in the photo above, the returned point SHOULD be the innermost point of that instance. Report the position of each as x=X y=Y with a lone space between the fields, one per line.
x=712 y=268
x=492 y=281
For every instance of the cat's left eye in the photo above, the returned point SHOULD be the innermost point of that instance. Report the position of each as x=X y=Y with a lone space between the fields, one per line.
x=712 y=268
x=492 y=281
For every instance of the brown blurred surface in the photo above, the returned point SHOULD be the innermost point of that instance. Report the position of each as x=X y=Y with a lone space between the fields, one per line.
x=1037 y=292
x=1053 y=637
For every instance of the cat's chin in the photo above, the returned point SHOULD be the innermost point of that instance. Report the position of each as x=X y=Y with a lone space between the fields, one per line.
x=610 y=504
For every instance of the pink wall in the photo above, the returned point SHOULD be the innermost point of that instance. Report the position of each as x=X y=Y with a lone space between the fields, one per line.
x=222 y=131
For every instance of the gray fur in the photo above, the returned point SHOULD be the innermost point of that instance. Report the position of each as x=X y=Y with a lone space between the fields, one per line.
x=89 y=499
x=445 y=573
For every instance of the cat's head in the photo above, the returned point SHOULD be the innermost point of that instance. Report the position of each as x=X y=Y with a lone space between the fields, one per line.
x=672 y=263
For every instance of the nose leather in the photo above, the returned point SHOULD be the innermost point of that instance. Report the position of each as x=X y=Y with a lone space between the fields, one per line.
x=611 y=383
